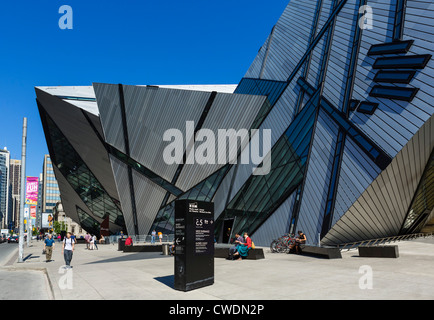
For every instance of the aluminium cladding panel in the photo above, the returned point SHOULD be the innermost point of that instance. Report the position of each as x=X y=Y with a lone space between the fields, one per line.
x=383 y=206
x=74 y=125
x=278 y=120
x=149 y=197
x=356 y=174
x=228 y=111
x=255 y=68
x=326 y=10
x=290 y=39
x=150 y=112
x=107 y=96
x=395 y=122
x=120 y=172
x=315 y=63
x=276 y=225
x=340 y=53
x=312 y=208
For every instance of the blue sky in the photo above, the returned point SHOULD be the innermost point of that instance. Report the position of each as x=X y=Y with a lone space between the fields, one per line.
x=130 y=41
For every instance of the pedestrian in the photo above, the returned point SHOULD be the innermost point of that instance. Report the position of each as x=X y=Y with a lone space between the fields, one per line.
x=153 y=234
x=160 y=235
x=87 y=239
x=48 y=248
x=95 y=241
x=68 y=249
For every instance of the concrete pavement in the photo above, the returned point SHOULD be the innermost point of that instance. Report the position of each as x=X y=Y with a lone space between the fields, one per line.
x=109 y=274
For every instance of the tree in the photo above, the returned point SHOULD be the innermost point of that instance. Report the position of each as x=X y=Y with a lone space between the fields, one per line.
x=58 y=227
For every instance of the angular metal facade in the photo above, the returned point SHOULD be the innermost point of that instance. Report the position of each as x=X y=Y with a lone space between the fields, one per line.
x=349 y=107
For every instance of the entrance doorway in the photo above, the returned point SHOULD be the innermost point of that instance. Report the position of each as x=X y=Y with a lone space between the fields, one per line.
x=227 y=229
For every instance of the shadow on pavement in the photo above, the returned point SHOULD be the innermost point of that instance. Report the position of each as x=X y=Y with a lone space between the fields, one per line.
x=167 y=280
x=133 y=257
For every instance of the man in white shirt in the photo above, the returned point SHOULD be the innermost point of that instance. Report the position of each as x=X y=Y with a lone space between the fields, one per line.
x=68 y=249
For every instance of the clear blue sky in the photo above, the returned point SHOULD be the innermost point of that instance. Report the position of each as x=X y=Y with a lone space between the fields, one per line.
x=130 y=41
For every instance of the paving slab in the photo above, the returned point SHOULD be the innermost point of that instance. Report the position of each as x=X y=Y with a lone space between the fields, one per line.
x=110 y=274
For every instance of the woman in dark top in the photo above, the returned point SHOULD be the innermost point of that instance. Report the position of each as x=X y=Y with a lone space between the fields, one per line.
x=300 y=240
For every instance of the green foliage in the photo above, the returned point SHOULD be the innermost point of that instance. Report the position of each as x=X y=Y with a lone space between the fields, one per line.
x=59 y=227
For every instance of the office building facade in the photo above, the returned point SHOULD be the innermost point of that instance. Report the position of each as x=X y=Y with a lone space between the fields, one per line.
x=5 y=189
x=15 y=181
x=345 y=88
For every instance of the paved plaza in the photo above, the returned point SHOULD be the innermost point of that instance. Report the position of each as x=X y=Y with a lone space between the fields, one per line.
x=110 y=274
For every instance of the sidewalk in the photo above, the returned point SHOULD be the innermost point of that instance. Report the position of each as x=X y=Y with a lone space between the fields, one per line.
x=110 y=274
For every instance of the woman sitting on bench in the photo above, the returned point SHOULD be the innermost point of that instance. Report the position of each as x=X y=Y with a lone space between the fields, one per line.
x=244 y=248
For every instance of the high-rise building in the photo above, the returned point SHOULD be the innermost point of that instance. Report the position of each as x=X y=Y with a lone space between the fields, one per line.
x=51 y=193
x=347 y=97
x=15 y=181
x=5 y=196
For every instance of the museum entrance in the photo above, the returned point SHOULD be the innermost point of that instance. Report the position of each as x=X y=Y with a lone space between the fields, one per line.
x=227 y=229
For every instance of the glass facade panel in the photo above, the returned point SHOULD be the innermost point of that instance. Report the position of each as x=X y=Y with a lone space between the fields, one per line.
x=407 y=62
x=391 y=47
x=261 y=195
x=81 y=179
x=397 y=93
x=204 y=191
x=269 y=88
x=88 y=223
x=394 y=76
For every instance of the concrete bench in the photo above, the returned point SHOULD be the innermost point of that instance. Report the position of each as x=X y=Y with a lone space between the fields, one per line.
x=324 y=252
x=222 y=251
x=379 y=251
x=143 y=248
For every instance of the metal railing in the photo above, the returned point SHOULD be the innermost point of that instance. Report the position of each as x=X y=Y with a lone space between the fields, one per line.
x=381 y=241
x=144 y=239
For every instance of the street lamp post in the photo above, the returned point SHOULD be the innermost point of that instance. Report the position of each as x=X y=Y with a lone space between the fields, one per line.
x=23 y=191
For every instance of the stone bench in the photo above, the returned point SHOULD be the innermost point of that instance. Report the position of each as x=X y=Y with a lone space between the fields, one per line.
x=143 y=248
x=324 y=252
x=379 y=251
x=222 y=251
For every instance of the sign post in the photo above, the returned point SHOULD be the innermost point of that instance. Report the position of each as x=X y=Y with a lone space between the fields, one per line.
x=194 y=244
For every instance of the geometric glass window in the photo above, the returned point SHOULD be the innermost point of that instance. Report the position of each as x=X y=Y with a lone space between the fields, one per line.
x=261 y=195
x=407 y=62
x=391 y=47
x=79 y=176
x=269 y=88
x=396 y=93
x=367 y=107
x=354 y=104
x=403 y=76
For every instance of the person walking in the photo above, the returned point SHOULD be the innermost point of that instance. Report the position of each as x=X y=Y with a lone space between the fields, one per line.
x=160 y=235
x=95 y=241
x=68 y=249
x=153 y=234
x=87 y=239
x=48 y=248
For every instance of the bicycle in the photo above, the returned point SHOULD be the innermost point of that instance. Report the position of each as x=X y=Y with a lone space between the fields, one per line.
x=282 y=244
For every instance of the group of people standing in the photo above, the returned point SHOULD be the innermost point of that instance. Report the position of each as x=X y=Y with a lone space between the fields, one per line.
x=67 y=248
x=91 y=241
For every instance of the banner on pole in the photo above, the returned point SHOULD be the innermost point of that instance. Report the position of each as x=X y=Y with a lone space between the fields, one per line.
x=32 y=190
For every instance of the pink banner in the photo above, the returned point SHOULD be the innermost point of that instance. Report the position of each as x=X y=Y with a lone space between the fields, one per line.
x=32 y=190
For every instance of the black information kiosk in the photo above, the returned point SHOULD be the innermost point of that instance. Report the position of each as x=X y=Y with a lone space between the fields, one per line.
x=194 y=244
